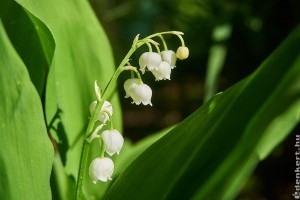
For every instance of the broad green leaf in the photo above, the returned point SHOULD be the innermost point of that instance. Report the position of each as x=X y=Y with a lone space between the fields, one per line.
x=131 y=151
x=82 y=55
x=23 y=35
x=26 y=153
x=211 y=153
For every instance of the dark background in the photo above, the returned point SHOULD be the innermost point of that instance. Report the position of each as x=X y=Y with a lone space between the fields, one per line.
x=257 y=29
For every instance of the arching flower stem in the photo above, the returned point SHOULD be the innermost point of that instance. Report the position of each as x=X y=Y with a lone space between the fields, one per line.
x=164 y=42
x=134 y=70
x=107 y=93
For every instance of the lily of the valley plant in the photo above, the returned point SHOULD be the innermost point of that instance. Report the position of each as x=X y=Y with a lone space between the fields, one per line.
x=100 y=127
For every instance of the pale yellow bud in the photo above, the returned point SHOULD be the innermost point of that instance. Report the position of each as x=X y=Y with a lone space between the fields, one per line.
x=182 y=53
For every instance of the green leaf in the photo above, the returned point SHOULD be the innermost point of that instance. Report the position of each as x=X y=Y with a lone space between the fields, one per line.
x=23 y=32
x=62 y=185
x=26 y=153
x=131 y=151
x=211 y=153
x=82 y=55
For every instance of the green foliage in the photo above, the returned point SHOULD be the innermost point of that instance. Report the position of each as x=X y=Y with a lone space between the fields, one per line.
x=26 y=153
x=82 y=54
x=210 y=154
x=60 y=48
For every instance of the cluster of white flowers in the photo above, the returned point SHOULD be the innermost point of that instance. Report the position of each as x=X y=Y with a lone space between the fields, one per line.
x=160 y=64
x=101 y=168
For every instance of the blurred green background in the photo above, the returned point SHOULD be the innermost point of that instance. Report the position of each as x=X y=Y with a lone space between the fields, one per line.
x=253 y=29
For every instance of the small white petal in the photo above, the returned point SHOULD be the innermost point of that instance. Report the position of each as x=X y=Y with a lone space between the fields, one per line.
x=141 y=93
x=106 y=107
x=170 y=57
x=151 y=60
x=163 y=72
x=128 y=84
x=113 y=141
x=103 y=116
x=101 y=169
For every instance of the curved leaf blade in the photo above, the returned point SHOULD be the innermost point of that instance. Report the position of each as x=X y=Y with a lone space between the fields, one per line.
x=82 y=55
x=26 y=153
x=210 y=154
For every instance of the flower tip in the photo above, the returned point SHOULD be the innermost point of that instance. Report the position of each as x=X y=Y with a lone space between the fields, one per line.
x=136 y=38
x=110 y=153
x=103 y=179
x=97 y=90
x=142 y=70
x=180 y=33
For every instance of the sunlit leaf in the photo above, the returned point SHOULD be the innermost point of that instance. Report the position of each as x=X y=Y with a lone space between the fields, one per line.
x=26 y=153
x=24 y=36
x=82 y=55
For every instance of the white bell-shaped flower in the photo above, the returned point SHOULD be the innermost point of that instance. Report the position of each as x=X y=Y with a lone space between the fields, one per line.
x=163 y=72
x=170 y=57
x=106 y=107
x=113 y=141
x=139 y=92
x=182 y=53
x=151 y=60
x=101 y=169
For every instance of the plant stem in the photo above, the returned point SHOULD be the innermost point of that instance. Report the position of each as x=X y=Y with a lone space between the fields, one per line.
x=85 y=151
x=112 y=83
x=86 y=145
x=82 y=169
x=106 y=95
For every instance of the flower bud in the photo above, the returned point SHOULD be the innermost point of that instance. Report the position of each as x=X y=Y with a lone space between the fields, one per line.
x=182 y=53
x=170 y=57
x=101 y=169
x=106 y=107
x=163 y=71
x=151 y=60
x=113 y=141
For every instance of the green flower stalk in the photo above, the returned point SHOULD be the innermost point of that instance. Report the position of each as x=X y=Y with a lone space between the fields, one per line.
x=111 y=141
